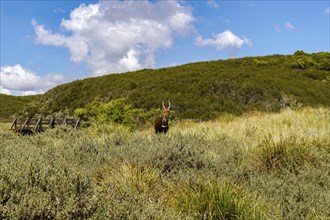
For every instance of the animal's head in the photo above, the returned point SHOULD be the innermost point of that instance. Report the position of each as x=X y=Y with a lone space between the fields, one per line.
x=166 y=110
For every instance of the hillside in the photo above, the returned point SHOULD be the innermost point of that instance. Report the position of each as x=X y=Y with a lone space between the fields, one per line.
x=12 y=104
x=203 y=90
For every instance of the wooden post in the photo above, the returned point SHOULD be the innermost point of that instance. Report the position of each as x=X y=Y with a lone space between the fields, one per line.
x=38 y=125
x=51 y=123
x=14 y=124
x=77 y=123
x=26 y=124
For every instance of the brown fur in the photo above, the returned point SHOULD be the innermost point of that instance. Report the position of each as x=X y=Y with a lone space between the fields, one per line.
x=161 y=122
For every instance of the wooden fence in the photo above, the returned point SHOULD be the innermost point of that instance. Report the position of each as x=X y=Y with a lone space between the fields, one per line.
x=31 y=125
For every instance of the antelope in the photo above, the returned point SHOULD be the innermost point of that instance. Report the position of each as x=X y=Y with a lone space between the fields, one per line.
x=161 y=122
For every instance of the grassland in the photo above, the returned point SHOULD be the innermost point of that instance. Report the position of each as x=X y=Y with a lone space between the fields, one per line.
x=255 y=166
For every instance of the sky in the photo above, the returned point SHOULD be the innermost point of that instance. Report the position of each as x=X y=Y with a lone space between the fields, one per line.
x=47 y=43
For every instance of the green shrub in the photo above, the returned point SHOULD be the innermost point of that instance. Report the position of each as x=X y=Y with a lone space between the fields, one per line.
x=288 y=153
x=214 y=200
x=81 y=113
x=132 y=191
x=117 y=112
x=43 y=191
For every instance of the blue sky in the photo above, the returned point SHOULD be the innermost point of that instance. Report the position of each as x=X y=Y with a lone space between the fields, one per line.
x=46 y=43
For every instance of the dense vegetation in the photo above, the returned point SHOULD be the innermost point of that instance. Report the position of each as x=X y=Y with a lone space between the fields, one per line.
x=205 y=89
x=255 y=166
x=14 y=104
x=254 y=160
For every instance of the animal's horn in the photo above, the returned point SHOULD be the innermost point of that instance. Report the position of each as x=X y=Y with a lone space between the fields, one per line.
x=164 y=105
x=169 y=105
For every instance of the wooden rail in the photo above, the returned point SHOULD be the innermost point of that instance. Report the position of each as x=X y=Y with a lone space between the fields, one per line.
x=31 y=125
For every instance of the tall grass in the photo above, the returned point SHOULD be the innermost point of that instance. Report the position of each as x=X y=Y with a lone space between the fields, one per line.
x=215 y=200
x=289 y=153
x=257 y=166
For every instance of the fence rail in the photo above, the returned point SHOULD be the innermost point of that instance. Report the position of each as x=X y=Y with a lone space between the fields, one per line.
x=31 y=125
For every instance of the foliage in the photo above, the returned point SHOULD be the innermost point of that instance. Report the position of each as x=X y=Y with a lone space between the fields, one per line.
x=214 y=200
x=288 y=153
x=14 y=104
x=204 y=90
x=116 y=111
x=198 y=170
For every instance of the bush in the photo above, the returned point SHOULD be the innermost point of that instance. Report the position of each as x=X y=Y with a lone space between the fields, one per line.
x=214 y=200
x=288 y=153
x=131 y=191
x=43 y=191
x=117 y=112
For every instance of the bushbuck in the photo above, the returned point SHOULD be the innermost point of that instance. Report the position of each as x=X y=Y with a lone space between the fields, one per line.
x=161 y=122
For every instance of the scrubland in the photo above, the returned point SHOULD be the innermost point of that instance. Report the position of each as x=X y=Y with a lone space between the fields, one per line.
x=255 y=166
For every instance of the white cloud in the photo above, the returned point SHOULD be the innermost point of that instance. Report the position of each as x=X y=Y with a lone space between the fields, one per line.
x=224 y=40
x=289 y=26
x=59 y=11
x=4 y=90
x=17 y=80
x=118 y=36
x=131 y=60
x=286 y=26
x=213 y=4
x=46 y=37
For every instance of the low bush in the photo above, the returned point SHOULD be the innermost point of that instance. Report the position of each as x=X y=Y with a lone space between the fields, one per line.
x=116 y=111
x=287 y=153
x=214 y=200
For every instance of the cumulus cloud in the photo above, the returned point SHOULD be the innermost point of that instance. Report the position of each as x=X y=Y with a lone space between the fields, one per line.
x=46 y=37
x=289 y=26
x=17 y=80
x=118 y=36
x=224 y=41
x=5 y=91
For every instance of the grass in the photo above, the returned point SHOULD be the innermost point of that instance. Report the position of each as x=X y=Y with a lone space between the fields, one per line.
x=288 y=153
x=214 y=200
x=256 y=166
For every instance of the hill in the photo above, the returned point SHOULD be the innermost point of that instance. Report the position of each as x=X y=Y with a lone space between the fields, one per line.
x=12 y=104
x=203 y=90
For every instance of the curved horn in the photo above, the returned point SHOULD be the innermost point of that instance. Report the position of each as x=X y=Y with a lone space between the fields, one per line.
x=164 y=105
x=169 y=105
